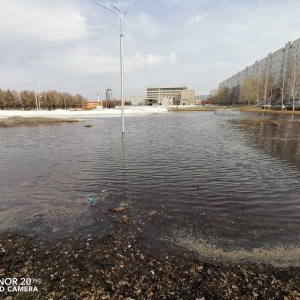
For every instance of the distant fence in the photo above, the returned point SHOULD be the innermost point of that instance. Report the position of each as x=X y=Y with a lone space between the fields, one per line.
x=227 y=112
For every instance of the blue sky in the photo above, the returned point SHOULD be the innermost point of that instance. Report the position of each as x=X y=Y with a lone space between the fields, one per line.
x=73 y=45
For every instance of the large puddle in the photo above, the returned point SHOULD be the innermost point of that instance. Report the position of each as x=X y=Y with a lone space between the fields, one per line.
x=221 y=189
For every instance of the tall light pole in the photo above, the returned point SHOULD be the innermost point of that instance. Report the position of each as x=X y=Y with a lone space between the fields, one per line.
x=98 y=94
x=159 y=94
x=116 y=11
x=40 y=101
x=65 y=102
x=36 y=98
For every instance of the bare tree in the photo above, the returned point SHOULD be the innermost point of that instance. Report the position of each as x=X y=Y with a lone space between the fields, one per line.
x=248 y=91
x=283 y=80
x=257 y=90
x=293 y=80
x=50 y=100
x=222 y=96
x=266 y=79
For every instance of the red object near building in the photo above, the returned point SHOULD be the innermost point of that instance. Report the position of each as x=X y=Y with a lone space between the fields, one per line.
x=92 y=105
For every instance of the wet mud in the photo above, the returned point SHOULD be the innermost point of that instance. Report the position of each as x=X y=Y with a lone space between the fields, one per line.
x=122 y=264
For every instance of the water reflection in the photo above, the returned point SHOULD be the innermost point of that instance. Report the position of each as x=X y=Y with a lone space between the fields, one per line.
x=279 y=140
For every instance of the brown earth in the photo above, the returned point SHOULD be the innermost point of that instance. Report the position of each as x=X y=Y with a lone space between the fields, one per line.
x=120 y=266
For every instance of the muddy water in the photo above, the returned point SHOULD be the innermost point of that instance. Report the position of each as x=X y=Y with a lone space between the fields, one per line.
x=197 y=179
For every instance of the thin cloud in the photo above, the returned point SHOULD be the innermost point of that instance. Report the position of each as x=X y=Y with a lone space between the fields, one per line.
x=149 y=60
x=195 y=20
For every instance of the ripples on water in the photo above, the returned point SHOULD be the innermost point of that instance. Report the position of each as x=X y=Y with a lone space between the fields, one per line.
x=232 y=186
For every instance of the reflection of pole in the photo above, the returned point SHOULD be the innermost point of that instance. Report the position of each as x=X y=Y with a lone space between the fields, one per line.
x=117 y=12
x=125 y=167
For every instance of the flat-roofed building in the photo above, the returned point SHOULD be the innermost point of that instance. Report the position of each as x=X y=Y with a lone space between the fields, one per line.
x=276 y=63
x=170 y=95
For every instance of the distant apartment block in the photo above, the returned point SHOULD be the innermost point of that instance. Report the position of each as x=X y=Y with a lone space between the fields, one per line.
x=109 y=95
x=170 y=95
x=275 y=62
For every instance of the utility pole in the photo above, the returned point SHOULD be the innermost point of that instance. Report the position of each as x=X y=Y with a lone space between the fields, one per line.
x=116 y=11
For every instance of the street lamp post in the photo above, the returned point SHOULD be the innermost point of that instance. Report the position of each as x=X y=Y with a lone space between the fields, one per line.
x=98 y=94
x=65 y=102
x=116 y=11
x=36 y=98
x=159 y=96
x=40 y=101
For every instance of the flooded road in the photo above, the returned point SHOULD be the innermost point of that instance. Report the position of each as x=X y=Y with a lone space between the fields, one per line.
x=196 y=178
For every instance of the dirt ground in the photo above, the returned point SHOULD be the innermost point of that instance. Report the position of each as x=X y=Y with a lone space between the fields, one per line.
x=120 y=266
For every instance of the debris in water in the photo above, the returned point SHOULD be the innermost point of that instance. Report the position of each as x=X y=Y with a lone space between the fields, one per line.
x=118 y=209
x=90 y=200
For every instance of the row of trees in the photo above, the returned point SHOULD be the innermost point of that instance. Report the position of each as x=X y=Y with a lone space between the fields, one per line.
x=29 y=100
x=264 y=89
x=114 y=103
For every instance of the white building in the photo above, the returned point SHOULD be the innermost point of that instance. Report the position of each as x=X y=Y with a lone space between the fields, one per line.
x=170 y=95
x=275 y=62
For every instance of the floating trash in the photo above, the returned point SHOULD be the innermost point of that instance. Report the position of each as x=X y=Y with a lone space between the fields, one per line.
x=118 y=209
x=90 y=200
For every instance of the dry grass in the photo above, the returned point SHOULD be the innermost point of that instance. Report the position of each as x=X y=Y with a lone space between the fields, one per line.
x=193 y=109
x=242 y=108
x=269 y=111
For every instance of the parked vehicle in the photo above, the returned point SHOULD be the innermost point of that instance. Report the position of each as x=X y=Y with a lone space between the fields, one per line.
x=278 y=107
x=265 y=106
x=289 y=106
